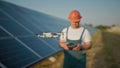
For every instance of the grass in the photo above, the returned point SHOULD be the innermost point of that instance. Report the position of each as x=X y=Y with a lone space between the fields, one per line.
x=105 y=50
x=96 y=47
x=111 y=41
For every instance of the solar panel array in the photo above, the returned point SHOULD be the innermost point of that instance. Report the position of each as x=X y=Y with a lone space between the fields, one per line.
x=19 y=45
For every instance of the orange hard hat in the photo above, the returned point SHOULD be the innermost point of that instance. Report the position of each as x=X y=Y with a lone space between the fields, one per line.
x=75 y=15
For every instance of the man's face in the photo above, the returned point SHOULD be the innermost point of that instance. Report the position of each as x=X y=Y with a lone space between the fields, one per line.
x=74 y=23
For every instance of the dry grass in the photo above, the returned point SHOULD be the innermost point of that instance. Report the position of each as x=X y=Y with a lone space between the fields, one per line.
x=49 y=64
x=95 y=54
x=111 y=49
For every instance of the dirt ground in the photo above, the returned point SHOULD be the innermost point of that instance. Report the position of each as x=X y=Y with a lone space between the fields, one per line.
x=103 y=54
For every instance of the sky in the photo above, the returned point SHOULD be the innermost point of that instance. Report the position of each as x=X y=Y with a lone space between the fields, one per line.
x=95 y=12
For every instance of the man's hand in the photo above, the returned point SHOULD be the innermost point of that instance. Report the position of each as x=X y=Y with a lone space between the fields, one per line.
x=86 y=46
x=77 y=47
x=64 y=45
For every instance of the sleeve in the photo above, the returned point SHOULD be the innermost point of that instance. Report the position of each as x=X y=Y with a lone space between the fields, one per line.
x=63 y=35
x=87 y=36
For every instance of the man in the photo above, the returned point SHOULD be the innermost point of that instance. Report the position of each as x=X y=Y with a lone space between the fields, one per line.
x=75 y=40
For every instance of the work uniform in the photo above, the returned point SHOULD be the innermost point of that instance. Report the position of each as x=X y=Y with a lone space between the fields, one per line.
x=75 y=59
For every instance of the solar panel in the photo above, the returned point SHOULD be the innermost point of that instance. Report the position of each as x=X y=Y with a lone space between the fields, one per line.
x=13 y=54
x=19 y=47
x=3 y=16
x=39 y=46
x=50 y=41
x=14 y=28
x=3 y=34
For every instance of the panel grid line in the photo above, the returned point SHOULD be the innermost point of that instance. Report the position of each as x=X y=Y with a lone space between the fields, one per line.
x=21 y=42
x=2 y=66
